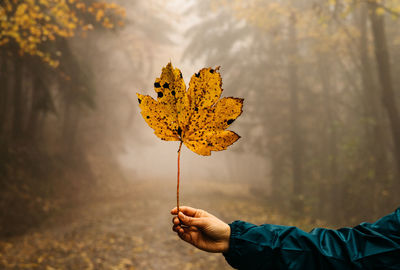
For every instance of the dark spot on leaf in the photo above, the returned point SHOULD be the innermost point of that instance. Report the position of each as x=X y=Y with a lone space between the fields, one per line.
x=166 y=85
x=147 y=117
x=230 y=121
x=211 y=71
x=160 y=94
x=173 y=93
x=197 y=74
x=210 y=144
x=196 y=109
x=179 y=131
x=157 y=85
x=140 y=101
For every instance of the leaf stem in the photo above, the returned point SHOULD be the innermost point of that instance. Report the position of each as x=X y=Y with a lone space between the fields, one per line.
x=177 y=187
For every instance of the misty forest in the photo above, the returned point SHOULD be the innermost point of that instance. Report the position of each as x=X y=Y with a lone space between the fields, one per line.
x=85 y=183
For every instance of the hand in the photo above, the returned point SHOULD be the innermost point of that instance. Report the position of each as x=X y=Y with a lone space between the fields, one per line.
x=201 y=229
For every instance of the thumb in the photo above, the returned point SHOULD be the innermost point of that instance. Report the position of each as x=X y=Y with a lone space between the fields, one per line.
x=190 y=221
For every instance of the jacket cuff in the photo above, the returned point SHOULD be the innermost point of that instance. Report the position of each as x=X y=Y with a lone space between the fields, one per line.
x=233 y=253
x=239 y=247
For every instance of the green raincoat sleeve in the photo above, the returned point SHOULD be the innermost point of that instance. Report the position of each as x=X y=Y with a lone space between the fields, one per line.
x=366 y=246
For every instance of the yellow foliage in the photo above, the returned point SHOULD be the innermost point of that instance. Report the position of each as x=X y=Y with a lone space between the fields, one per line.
x=30 y=23
x=380 y=11
x=99 y=15
x=197 y=117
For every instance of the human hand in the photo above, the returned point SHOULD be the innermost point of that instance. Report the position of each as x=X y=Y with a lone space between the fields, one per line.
x=201 y=229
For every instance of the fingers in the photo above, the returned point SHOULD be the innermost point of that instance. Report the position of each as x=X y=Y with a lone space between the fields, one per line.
x=187 y=220
x=187 y=210
x=185 y=233
x=176 y=228
x=180 y=228
x=186 y=236
x=190 y=221
x=176 y=221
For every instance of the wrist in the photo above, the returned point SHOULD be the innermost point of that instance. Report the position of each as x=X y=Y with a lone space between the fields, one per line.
x=226 y=237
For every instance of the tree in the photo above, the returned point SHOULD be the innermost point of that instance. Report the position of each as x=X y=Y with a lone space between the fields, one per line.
x=32 y=31
x=311 y=110
x=385 y=75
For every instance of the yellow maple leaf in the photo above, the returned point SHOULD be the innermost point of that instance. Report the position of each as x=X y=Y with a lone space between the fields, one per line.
x=197 y=116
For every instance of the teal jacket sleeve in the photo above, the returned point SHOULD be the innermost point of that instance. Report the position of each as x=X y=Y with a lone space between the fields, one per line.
x=366 y=246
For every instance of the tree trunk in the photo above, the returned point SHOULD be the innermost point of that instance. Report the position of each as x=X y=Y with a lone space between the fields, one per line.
x=385 y=78
x=37 y=104
x=295 y=132
x=70 y=122
x=17 y=98
x=375 y=140
x=333 y=187
x=3 y=94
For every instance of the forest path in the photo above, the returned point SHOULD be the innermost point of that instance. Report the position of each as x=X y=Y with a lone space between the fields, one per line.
x=132 y=231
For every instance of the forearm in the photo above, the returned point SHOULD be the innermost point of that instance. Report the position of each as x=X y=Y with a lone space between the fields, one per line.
x=366 y=246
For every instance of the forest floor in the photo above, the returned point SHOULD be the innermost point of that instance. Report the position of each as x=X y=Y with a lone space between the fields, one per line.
x=132 y=231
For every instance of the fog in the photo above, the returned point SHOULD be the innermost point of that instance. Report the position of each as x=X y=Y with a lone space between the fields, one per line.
x=80 y=167
x=145 y=155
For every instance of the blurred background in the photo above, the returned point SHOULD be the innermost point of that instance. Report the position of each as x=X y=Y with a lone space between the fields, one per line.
x=84 y=182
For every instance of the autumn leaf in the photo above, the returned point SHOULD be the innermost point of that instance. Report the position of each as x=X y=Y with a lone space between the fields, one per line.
x=196 y=116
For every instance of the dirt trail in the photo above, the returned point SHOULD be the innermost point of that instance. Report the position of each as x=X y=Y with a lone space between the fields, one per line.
x=131 y=232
